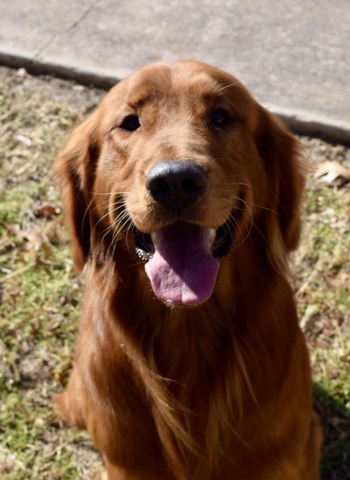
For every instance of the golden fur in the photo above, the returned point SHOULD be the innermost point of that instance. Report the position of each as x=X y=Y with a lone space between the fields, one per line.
x=220 y=390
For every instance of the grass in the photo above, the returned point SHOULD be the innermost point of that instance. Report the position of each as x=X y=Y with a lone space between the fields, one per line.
x=40 y=294
x=322 y=286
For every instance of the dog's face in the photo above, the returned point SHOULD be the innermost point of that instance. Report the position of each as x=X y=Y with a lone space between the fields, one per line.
x=183 y=158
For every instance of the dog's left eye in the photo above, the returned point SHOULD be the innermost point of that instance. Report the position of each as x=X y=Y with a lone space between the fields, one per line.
x=130 y=123
x=219 y=118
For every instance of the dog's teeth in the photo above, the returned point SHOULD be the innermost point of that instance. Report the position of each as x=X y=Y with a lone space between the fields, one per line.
x=211 y=235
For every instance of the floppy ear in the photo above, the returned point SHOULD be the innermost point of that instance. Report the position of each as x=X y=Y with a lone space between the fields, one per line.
x=75 y=170
x=279 y=152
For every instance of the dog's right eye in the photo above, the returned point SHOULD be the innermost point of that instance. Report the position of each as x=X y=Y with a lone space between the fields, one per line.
x=220 y=118
x=130 y=123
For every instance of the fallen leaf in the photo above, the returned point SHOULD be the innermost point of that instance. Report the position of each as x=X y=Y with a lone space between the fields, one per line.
x=333 y=172
x=46 y=211
x=23 y=140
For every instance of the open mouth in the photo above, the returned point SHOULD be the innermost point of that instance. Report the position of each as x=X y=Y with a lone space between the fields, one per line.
x=182 y=260
x=221 y=241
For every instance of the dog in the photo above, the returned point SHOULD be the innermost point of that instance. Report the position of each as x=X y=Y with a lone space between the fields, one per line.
x=182 y=197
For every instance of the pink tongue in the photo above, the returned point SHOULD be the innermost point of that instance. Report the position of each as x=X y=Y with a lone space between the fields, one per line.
x=182 y=269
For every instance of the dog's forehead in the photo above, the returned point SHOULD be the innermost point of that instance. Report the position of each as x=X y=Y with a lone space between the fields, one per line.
x=183 y=78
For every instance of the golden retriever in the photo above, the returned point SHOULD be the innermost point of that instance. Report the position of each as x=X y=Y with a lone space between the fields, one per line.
x=182 y=196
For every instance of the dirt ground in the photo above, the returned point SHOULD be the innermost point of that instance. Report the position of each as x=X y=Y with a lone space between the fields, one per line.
x=39 y=292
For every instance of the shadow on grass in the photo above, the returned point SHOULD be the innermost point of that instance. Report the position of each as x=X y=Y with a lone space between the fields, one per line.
x=335 y=464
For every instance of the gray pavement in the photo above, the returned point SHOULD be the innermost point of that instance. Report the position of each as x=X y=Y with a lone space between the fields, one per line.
x=293 y=55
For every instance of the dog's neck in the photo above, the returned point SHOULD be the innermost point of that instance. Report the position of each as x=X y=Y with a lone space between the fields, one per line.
x=176 y=335
x=193 y=359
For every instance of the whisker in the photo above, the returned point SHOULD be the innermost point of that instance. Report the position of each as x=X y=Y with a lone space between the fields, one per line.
x=121 y=221
x=237 y=184
x=110 y=212
x=118 y=223
x=232 y=222
x=232 y=198
x=107 y=194
x=85 y=215
x=243 y=239
x=106 y=230
x=229 y=85
x=128 y=232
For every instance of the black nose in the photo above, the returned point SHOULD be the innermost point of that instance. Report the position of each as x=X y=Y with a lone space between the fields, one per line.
x=176 y=183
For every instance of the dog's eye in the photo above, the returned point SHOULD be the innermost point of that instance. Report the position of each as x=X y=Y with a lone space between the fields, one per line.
x=130 y=123
x=219 y=118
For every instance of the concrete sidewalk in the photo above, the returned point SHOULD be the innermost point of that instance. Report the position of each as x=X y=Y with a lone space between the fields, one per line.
x=294 y=55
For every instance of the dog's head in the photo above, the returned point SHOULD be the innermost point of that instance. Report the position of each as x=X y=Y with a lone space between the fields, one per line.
x=178 y=164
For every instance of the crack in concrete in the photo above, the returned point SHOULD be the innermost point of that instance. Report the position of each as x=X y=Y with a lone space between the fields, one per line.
x=70 y=28
x=83 y=16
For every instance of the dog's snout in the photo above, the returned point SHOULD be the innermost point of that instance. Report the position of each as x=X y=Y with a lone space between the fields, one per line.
x=176 y=183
